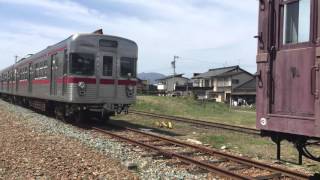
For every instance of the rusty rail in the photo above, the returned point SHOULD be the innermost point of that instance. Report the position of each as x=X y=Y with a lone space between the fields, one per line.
x=241 y=129
x=203 y=165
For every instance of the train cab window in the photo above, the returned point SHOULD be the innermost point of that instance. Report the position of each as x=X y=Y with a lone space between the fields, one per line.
x=128 y=66
x=82 y=64
x=296 y=27
x=107 y=65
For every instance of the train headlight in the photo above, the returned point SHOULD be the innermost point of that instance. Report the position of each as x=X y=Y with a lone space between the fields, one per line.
x=82 y=85
x=82 y=88
x=130 y=91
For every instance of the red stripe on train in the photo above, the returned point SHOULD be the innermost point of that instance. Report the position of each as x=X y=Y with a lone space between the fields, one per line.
x=77 y=80
x=127 y=82
x=41 y=81
x=107 y=81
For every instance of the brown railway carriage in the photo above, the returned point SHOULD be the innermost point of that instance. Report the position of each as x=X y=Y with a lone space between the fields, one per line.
x=86 y=73
x=288 y=74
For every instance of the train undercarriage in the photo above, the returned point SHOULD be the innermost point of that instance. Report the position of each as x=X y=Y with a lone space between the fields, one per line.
x=301 y=143
x=69 y=112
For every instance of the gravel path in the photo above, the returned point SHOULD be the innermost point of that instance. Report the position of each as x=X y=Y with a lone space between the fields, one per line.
x=34 y=145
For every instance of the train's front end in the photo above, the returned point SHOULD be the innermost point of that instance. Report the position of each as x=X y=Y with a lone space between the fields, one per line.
x=102 y=73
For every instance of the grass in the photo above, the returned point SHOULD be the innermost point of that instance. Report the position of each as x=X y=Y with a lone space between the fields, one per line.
x=252 y=146
x=239 y=142
x=188 y=107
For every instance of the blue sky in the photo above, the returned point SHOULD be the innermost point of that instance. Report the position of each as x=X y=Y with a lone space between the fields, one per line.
x=204 y=33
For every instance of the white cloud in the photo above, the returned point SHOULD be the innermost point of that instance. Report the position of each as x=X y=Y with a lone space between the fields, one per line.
x=182 y=26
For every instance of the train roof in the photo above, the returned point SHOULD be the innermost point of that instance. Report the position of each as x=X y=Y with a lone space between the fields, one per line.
x=40 y=54
x=101 y=35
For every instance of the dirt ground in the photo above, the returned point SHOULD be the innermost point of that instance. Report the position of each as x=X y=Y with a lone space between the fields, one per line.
x=25 y=154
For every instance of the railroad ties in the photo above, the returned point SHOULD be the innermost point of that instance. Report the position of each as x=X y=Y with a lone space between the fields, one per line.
x=218 y=163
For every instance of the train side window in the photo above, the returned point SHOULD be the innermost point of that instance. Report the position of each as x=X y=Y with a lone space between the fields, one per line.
x=45 y=73
x=65 y=62
x=107 y=65
x=36 y=70
x=296 y=27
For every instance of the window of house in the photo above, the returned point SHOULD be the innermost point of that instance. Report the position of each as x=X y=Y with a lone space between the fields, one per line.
x=235 y=81
x=206 y=83
x=296 y=27
x=107 y=65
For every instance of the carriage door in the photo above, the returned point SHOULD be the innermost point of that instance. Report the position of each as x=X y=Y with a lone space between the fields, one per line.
x=108 y=76
x=64 y=72
x=17 y=72
x=53 y=74
x=30 y=78
x=292 y=60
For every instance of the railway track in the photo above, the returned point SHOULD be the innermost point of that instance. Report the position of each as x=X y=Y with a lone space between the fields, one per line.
x=221 y=164
x=202 y=123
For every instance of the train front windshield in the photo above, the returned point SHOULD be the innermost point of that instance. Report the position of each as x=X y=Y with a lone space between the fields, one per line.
x=128 y=67
x=82 y=64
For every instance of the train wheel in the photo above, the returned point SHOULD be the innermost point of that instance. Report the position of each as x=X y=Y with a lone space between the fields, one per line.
x=105 y=117
x=80 y=117
x=59 y=112
x=101 y=118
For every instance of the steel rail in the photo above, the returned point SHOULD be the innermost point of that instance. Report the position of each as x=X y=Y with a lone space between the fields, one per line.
x=208 y=151
x=200 y=122
x=185 y=159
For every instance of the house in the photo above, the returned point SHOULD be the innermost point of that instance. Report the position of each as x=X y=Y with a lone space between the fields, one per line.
x=144 y=87
x=221 y=81
x=245 y=94
x=168 y=84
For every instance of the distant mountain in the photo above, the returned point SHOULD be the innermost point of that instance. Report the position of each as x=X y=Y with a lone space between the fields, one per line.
x=151 y=77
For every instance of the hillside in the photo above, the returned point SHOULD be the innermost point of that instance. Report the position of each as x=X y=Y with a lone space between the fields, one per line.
x=151 y=77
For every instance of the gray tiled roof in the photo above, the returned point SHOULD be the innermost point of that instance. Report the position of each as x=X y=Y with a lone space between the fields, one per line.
x=215 y=72
x=169 y=77
x=247 y=86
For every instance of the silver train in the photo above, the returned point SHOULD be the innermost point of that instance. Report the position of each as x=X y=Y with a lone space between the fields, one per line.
x=86 y=74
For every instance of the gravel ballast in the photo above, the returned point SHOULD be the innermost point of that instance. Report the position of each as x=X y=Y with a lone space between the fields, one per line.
x=46 y=147
x=28 y=154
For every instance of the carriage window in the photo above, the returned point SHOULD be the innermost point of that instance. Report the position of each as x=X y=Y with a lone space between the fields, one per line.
x=296 y=28
x=128 y=66
x=107 y=65
x=82 y=64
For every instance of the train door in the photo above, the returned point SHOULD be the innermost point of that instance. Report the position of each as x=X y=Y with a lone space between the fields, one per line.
x=64 y=72
x=108 y=77
x=8 y=82
x=53 y=74
x=30 y=72
x=291 y=52
x=1 y=82
x=17 y=75
x=12 y=80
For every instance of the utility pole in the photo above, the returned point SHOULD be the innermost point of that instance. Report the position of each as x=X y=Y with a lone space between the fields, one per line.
x=173 y=63
x=16 y=59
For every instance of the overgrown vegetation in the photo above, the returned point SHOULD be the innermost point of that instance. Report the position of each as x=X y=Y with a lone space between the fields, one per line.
x=188 y=107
